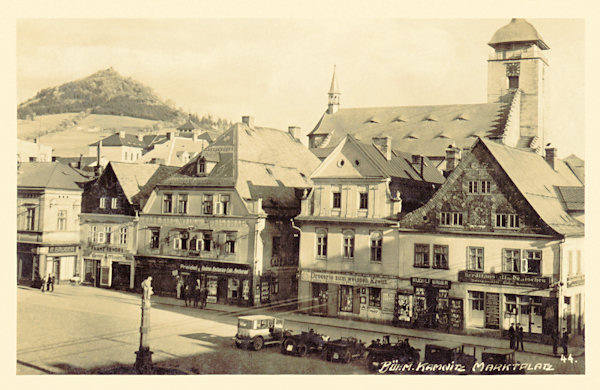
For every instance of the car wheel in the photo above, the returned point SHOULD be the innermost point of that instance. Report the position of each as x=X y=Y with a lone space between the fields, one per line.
x=370 y=361
x=346 y=356
x=416 y=357
x=285 y=346
x=258 y=343
x=302 y=350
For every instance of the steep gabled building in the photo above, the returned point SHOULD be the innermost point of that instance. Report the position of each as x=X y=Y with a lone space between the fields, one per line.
x=349 y=242
x=501 y=242
x=225 y=218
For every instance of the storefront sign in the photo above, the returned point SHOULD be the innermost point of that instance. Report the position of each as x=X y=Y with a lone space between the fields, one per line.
x=426 y=282
x=348 y=279
x=492 y=311
x=62 y=249
x=575 y=280
x=388 y=299
x=456 y=313
x=264 y=292
x=223 y=269
x=518 y=280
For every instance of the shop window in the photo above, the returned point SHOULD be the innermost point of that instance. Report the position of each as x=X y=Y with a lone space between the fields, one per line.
x=224 y=204
x=103 y=202
x=376 y=243
x=123 y=236
x=322 y=244
x=207 y=204
x=476 y=300
x=62 y=220
x=511 y=260
x=451 y=218
x=475 y=260
x=113 y=203
x=108 y=234
x=532 y=262
x=176 y=243
x=346 y=299
x=230 y=242
x=30 y=218
x=374 y=297
x=440 y=256
x=167 y=203
x=348 y=244
x=507 y=221
x=154 y=238
x=183 y=204
x=422 y=255
x=363 y=200
x=337 y=200
x=207 y=241
x=510 y=303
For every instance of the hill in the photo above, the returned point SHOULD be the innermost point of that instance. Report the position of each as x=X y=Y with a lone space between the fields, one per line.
x=104 y=92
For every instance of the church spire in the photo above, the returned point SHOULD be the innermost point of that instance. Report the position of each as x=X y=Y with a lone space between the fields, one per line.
x=334 y=95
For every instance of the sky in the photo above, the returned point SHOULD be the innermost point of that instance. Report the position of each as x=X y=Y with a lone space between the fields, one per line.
x=279 y=70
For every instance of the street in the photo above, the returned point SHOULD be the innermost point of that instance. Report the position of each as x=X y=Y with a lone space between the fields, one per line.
x=84 y=330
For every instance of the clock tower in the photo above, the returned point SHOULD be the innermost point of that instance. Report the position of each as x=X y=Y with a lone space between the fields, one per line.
x=518 y=65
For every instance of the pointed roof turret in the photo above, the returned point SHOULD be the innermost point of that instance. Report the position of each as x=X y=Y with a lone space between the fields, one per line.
x=334 y=89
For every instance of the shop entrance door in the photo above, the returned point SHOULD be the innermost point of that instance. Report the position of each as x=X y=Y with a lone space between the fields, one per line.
x=431 y=304
x=222 y=290
x=319 y=299
x=56 y=270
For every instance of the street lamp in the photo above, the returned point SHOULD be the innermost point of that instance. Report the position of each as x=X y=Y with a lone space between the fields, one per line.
x=143 y=360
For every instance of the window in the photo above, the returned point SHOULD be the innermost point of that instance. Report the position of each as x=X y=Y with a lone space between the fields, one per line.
x=363 y=200
x=475 y=258
x=276 y=246
x=113 y=203
x=167 y=203
x=207 y=241
x=123 y=236
x=374 y=297
x=225 y=200
x=376 y=239
x=207 y=205
x=486 y=187
x=348 y=244
x=30 y=218
x=62 y=220
x=532 y=262
x=451 y=218
x=184 y=241
x=513 y=82
x=511 y=260
x=473 y=187
x=101 y=237
x=507 y=221
x=93 y=234
x=322 y=244
x=346 y=299
x=183 y=204
x=440 y=256
x=154 y=238
x=230 y=243
x=201 y=167
x=337 y=200
x=108 y=235
x=103 y=202
x=578 y=262
x=176 y=243
x=476 y=300
x=422 y=255
x=510 y=303
x=479 y=187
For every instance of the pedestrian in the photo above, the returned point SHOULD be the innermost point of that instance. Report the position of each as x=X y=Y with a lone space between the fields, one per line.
x=554 y=342
x=565 y=342
x=203 y=296
x=43 y=286
x=520 y=338
x=178 y=285
x=511 y=336
x=187 y=294
x=197 y=289
x=49 y=283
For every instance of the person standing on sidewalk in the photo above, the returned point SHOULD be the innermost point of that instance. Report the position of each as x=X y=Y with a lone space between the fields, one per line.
x=178 y=285
x=520 y=338
x=197 y=291
x=554 y=342
x=43 y=286
x=565 y=342
x=511 y=336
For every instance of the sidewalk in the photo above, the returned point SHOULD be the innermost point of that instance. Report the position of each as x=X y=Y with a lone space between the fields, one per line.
x=480 y=341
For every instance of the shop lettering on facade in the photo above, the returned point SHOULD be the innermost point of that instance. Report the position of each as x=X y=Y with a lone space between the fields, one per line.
x=348 y=279
x=214 y=269
x=504 y=279
x=575 y=280
x=426 y=282
x=62 y=249
x=100 y=248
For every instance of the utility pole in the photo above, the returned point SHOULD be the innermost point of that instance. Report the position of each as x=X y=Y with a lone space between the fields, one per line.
x=143 y=361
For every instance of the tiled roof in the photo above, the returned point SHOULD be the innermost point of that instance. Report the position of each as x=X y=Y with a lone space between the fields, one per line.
x=159 y=175
x=54 y=175
x=132 y=176
x=125 y=140
x=577 y=165
x=221 y=175
x=539 y=184
x=73 y=161
x=321 y=153
x=518 y=30
x=424 y=130
x=573 y=198
x=170 y=152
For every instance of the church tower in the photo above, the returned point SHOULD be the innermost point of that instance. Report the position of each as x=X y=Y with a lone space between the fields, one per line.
x=518 y=64
x=334 y=95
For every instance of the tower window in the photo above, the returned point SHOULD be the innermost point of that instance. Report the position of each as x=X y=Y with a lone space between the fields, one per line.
x=513 y=82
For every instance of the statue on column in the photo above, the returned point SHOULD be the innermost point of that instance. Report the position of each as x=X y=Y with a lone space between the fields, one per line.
x=147 y=290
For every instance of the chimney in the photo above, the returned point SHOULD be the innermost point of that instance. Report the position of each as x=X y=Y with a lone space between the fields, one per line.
x=551 y=156
x=248 y=121
x=98 y=168
x=453 y=156
x=170 y=135
x=121 y=134
x=419 y=162
x=295 y=132
x=384 y=145
x=79 y=162
x=140 y=137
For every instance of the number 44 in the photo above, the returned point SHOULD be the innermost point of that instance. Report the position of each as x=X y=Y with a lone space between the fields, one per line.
x=565 y=359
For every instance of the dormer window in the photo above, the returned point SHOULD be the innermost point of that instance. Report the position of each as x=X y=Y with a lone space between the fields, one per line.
x=201 y=167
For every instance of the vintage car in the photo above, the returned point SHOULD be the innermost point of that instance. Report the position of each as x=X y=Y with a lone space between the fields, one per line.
x=400 y=352
x=344 y=349
x=499 y=361
x=447 y=352
x=256 y=331
x=303 y=343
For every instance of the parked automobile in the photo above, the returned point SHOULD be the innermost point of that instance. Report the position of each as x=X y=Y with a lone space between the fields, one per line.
x=256 y=331
x=344 y=349
x=446 y=353
x=303 y=343
x=401 y=352
x=500 y=356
